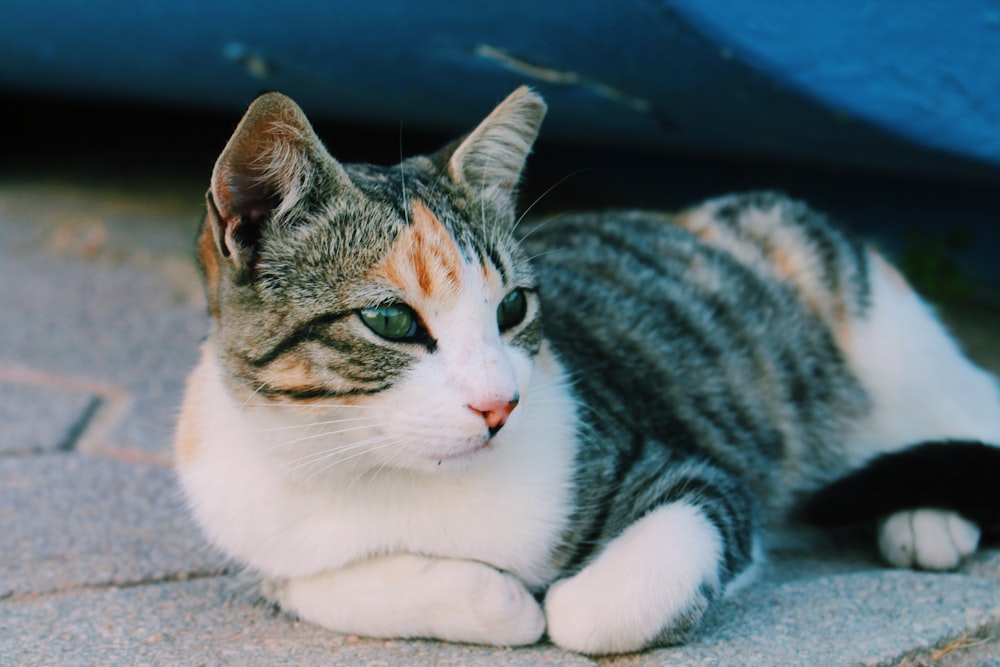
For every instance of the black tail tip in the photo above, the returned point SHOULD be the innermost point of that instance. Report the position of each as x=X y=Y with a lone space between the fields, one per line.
x=958 y=475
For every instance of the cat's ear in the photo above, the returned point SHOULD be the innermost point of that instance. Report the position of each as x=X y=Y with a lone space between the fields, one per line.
x=491 y=158
x=270 y=163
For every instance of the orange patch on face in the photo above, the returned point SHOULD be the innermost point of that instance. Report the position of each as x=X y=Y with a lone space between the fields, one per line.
x=425 y=259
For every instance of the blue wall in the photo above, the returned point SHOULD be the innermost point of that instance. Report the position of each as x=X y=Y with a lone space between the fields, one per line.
x=926 y=71
x=897 y=85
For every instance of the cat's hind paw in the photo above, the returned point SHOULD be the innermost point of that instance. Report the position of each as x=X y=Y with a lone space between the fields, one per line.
x=929 y=539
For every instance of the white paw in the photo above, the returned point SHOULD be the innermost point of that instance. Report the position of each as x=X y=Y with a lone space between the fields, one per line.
x=649 y=586
x=927 y=538
x=505 y=613
x=413 y=596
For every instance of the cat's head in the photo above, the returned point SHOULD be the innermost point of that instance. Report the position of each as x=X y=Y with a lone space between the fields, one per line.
x=390 y=302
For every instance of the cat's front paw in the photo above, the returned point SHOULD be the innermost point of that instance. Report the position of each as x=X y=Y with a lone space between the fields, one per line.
x=506 y=613
x=414 y=596
x=579 y=621
x=650 y=586
x=930 y=539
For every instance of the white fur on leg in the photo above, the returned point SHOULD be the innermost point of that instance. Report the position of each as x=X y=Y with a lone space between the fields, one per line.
x=927 y=538
x=646 y=583
x=921 y=385
x=413 y=596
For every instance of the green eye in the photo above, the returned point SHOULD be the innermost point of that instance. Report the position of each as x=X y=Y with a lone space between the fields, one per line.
x=512 y=309
x=395 y=321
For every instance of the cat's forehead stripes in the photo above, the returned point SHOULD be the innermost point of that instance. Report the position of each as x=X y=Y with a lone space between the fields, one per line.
x=424 y=259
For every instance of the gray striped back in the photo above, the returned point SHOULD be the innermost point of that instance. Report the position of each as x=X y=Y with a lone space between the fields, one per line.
x=702 y=358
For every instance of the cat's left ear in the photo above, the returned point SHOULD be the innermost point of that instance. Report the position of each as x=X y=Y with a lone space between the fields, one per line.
x=489 y=161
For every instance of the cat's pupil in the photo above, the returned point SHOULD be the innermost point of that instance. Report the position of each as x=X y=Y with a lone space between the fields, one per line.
x=512 y=310
x=394 y=321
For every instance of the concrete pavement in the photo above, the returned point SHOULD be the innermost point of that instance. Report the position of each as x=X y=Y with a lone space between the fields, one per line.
x=100 y=317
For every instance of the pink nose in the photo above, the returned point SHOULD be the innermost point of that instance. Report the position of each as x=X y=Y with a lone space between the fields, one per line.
x=495 y=414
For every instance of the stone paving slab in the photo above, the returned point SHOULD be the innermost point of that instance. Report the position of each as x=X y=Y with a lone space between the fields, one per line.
x=70 y=521
x=114 y=300
x=986 y=564
x=864 y=618
x=36 y=419
x=106 y=223
x=211 y=622
x=114 y=325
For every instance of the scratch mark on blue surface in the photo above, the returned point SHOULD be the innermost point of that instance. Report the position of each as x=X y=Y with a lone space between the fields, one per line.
x=561 y=77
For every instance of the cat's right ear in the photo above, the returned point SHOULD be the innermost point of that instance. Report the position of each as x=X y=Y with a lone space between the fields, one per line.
x=270 y=163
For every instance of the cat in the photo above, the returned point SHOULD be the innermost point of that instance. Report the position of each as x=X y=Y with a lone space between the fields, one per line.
x=414 y=417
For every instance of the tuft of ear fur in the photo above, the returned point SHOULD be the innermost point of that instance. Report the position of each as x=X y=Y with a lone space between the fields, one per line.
x=491 y=158
x=265 y=169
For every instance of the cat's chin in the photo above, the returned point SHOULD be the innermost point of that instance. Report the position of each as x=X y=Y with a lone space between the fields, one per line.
x=458 y=461
x=469 y=456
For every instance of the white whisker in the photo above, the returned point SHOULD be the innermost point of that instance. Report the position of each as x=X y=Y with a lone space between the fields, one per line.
x=402 y=176
x=393 y=455
x=333 y=458
x=433 y=431
x=327 y=422
x=323 y=454
x=543 y=195
x=334 y=406
x=543 y=223
x=314 y=436
x=252 y=394
x=437 y=182
x=548 y=252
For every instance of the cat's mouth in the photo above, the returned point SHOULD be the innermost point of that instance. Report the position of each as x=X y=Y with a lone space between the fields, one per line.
x=467 y=455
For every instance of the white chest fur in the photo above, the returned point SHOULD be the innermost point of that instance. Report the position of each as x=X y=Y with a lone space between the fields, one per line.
x=508 y=510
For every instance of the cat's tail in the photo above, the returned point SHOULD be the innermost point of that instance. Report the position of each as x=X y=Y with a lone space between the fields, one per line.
x=957 y=475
